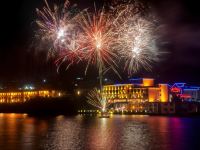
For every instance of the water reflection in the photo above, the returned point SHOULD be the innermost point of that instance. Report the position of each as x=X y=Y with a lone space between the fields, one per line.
x=20 y=131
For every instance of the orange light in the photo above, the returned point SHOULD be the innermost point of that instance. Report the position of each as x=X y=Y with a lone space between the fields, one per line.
x=164 y=92
x=148 y=82
x=153 y=94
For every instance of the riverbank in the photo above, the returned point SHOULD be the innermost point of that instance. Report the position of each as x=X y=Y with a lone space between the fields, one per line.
x=42 y=106
x=97 y=112
x=72 y=105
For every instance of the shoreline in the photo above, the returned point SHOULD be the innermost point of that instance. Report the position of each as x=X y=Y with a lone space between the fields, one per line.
x=43 y=114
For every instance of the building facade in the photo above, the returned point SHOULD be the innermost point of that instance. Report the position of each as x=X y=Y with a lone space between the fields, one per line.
x=135 y=95
x=23 y=96
x=143 y=95
x=185 y=92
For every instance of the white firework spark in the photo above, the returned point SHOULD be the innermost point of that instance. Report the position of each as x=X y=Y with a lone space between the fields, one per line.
x=96 y=98
x=136 y=38
x=137 y=45
x=58 y=28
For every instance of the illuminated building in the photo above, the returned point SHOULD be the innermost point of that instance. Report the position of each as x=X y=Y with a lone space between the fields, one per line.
x=142 y=95
x=186 y=93
x=136 y=95
x=23 y=96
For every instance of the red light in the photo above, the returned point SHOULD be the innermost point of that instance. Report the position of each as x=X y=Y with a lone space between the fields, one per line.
x=175 y=90
x=185 y=96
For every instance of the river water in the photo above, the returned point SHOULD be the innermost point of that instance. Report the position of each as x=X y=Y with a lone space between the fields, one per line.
x=23 y=132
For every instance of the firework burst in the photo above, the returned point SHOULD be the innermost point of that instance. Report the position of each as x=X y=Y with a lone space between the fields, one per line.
x=97 y=40
x=71 y=52
x=137 y=46
x=96 y=98
x=99 y=37
x=136 y=42
x=57 y=27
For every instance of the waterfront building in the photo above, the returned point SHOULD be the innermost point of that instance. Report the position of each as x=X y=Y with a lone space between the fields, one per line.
x=23 y=96
x=143 y=95
x=136 y=94
x=185 y=92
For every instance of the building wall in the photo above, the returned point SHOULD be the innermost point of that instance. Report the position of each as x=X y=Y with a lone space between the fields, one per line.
x=144 y=96
x=158 y=94
x=124 y=92
x=153 y=108
x=194 y=94
x=153 y=94
x=129 y=92
x=22 y=96
x=168 y=108
x=137 y=96
x=164 y=93
x=148 y=82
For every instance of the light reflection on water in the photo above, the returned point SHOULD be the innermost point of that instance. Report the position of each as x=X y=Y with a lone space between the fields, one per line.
x=20 y=131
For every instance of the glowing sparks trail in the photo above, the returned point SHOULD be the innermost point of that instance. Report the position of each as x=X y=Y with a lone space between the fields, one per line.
x=96 y=98
x=53 y=24
x=97 y=40
x=136 y=42
x=57 y=26
x=71 y=52
x=138 y=46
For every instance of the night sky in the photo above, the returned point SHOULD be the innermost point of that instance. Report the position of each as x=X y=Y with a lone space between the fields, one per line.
x=20 y=59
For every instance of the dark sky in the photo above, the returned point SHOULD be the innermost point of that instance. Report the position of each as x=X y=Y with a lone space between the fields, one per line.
x=20 y=62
